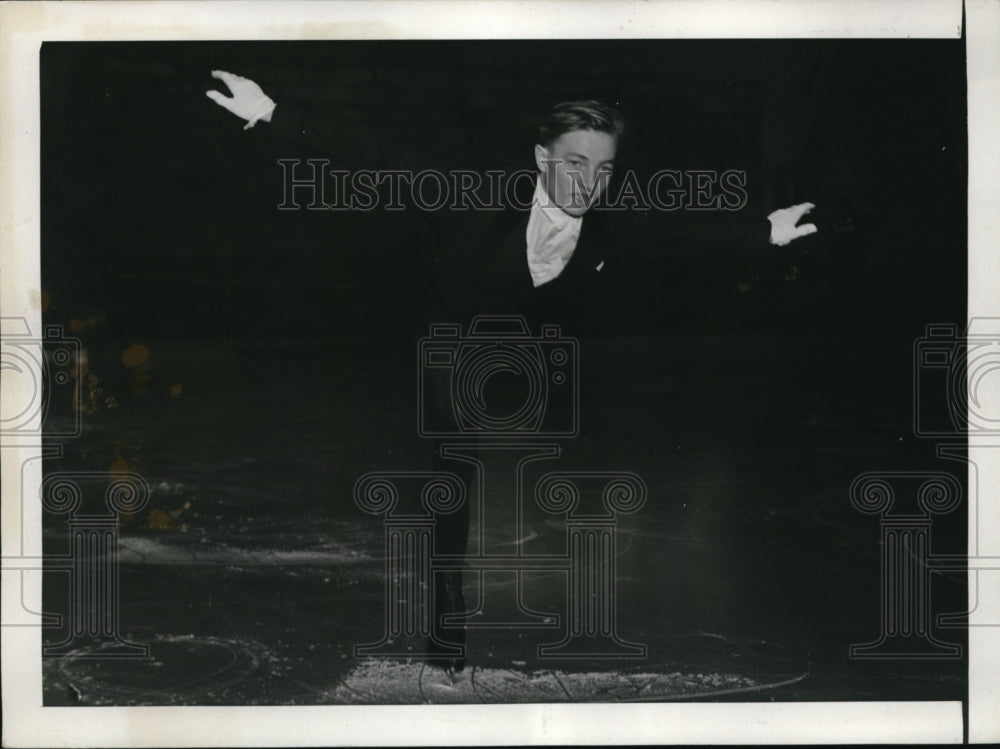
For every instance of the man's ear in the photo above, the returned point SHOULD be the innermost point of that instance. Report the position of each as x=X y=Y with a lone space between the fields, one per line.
x=541 y=156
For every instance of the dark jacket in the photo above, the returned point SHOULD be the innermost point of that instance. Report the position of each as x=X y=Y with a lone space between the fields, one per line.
x=478 y=262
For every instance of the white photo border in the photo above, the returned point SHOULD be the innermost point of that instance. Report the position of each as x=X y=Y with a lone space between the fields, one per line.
x=24 y=26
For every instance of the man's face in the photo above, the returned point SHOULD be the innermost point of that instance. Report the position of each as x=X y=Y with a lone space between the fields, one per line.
x=576 y=168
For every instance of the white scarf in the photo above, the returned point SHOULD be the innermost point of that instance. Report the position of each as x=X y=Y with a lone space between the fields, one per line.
x=552 y=235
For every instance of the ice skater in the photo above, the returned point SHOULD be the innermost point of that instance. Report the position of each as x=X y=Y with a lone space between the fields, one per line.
x=548 y=253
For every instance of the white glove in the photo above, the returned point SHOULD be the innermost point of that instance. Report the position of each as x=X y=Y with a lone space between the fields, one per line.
x=783 y=224
x=248 y=101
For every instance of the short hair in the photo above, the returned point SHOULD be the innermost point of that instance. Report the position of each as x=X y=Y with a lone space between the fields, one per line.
x=588 y=114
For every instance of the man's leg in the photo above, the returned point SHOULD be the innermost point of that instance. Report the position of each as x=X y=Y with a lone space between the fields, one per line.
x=451 y=540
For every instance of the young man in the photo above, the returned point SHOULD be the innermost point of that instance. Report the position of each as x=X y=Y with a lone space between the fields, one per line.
x=540 y=256
x=547 y=255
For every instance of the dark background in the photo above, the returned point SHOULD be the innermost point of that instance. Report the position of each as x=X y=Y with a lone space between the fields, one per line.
x=748 y=384
x=159 y=210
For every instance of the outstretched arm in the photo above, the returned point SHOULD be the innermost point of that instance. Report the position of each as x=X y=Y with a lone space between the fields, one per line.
x=248 y=102
x=783 y=224
x=346 y=141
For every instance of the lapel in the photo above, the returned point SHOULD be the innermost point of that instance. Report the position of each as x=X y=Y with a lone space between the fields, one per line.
x=509 y=246
x=590 y=247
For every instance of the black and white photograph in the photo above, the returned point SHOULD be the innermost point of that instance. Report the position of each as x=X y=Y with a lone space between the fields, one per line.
x=599 y=372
